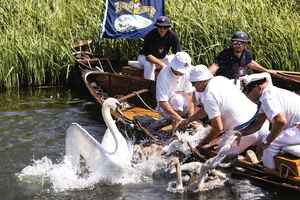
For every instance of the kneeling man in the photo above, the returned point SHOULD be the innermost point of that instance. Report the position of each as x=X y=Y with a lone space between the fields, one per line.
x=226 y=106
x=174 y=90
x=281 y=108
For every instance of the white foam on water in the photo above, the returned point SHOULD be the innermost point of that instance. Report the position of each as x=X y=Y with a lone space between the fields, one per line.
x=63 y=176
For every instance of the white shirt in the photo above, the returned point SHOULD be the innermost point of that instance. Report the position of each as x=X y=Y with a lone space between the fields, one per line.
x=222 y=98
x=275 y=100
x=168 y=84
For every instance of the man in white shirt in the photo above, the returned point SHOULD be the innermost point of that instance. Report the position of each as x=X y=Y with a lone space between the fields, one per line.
x=174 y=90
x=226 y=106
x=281 y=108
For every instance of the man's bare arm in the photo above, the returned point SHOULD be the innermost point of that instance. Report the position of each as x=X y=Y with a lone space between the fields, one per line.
x=257 y=67
x=217 y=129
x=155 y=61
x=279 y=122
x=213 y=68
x=168 y=109
x=255 y=126
x=190 y=104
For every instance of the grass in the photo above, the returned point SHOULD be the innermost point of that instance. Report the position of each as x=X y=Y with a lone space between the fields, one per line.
x=36 y=35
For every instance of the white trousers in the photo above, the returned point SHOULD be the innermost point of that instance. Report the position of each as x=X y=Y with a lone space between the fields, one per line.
x=290 y=136
x=178 y=102
x=149 y=68
x=249 y=140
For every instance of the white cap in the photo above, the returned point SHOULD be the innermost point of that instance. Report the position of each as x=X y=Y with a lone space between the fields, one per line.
x=200 y=73
x=256 y=77
x=181 y=62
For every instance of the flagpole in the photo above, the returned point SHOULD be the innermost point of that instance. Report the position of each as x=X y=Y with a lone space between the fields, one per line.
x=103 y=22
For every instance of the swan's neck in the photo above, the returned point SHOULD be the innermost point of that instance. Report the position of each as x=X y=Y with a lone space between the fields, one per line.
x=111 y=125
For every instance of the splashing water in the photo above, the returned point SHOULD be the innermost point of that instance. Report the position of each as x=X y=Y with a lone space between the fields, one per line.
x=63 y=176
x=84 y=166
x=207 y=177
x=225 y=146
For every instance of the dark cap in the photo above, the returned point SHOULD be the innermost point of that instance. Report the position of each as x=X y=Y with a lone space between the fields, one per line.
x=240 y=36
x=163 y=21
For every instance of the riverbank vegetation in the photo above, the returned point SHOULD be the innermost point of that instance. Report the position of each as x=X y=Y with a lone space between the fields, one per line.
x=36 y=36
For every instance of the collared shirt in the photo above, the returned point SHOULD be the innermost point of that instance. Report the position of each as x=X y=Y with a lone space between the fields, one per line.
x=159 y=46
x=230 y=66
x=276 y=100
x=222 y=98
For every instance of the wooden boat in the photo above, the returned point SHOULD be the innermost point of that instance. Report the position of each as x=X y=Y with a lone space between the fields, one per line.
x=285 y=179
x=138 y=95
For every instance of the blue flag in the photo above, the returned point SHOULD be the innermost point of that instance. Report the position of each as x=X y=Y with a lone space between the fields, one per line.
x=128 y=19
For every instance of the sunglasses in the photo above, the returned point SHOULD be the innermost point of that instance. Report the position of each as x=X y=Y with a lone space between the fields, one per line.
x=163 y=27
x=238 y=43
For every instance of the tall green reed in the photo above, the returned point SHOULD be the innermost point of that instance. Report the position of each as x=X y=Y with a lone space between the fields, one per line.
x=36 y=38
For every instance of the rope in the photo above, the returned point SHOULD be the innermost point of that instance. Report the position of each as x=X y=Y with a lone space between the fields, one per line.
x=145 y=104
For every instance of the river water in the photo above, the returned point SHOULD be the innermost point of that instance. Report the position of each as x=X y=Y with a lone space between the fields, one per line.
x=33 y=123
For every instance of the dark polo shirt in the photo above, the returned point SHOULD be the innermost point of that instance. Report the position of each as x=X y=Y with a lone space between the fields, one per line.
x=230 y=66
x=160 y=46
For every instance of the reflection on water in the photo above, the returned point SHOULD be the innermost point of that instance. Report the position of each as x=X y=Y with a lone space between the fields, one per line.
x=32 y=126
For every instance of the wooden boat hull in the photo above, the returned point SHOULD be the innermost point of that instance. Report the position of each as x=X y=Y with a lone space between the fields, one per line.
x=256 y=173
x=287 y=80
x=104 y=84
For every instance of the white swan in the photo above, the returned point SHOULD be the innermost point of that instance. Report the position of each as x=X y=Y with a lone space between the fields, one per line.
x=111 y=156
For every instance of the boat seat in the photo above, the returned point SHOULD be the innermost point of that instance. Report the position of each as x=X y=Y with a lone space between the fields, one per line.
x=292 y=149
x=133 y=69
x=288 y=163
x=135 y=64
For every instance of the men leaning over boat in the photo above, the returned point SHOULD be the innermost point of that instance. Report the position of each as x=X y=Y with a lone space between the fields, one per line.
x=226 y=106
x=157 y=44
x=281 y=108
x=174 y=90
x=235 y=61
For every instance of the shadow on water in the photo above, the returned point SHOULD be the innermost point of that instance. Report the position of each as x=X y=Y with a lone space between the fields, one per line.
x=33 y=123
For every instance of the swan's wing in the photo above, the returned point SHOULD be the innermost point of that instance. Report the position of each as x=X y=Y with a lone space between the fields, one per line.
x=80 y=143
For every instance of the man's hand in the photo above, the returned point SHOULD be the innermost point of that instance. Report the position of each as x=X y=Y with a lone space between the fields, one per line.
x=239 y=137
x=184 y=124
x=176 y=124
x=298 y=125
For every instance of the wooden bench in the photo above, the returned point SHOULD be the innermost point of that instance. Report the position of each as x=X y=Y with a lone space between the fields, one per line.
x=135 y=69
